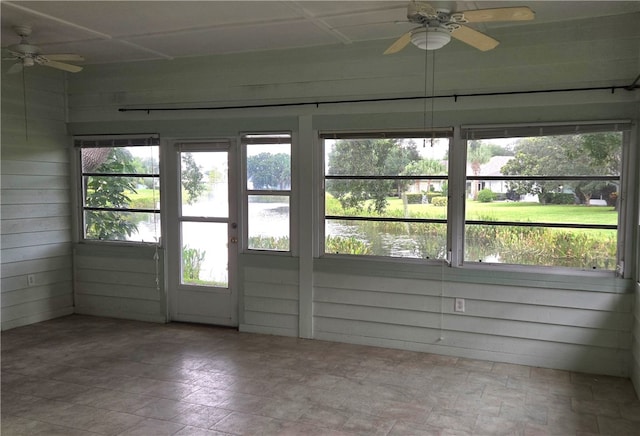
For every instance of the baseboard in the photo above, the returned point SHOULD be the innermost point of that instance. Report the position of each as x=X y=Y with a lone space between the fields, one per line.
x=36 y=317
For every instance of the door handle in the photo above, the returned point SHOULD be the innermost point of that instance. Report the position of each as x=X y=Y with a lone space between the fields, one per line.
x=234 y=240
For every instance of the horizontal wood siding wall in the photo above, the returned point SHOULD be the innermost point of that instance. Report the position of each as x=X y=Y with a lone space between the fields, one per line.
x=120 y=282
x=567 y=328
x=635 y=349
x=269 y=290
x=35 y=200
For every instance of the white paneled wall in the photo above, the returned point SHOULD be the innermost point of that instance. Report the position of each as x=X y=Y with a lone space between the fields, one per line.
x=120 y=282
x=269 y=288
x=560 y=327
x=635 y=349
x=36 y=235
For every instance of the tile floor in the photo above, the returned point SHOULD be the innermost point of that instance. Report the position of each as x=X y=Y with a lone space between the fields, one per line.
x=82 y=375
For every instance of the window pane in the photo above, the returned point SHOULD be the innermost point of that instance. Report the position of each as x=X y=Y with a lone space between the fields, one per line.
x=269 y=167
x=122 y=192
x=395 y=239
x=268 y=222
x=117 y=186
x=575 y=180
x=118 y=160
x=543 y=246
x=373 y=177
x=205 y=184
x=122 y=226
x=386 y=157
x=205 y=254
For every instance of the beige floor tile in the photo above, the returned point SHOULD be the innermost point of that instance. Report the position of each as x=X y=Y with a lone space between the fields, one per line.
x=83 y=376
x=153 y=427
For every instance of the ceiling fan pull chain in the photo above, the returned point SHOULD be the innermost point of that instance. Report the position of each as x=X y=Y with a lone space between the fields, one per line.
x=24 y=104
x=433 y=94
x=424 y=102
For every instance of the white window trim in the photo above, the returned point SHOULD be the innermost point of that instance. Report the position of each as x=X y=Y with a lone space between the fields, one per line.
x=624 y=250
x=436 y=132
x=77 y=219
x=288 y=137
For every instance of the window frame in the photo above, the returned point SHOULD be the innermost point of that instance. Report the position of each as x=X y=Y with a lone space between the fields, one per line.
x=434 y=133
x=115 y=141
x=495 y=131
x=265 y=138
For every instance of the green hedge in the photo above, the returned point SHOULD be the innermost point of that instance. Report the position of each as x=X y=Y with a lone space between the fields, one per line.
x=556 y=198
x=414 y=198
x=439 y=201
x=486 y=196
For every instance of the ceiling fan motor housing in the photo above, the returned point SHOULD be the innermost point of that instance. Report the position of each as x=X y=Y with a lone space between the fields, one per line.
x=25 y=48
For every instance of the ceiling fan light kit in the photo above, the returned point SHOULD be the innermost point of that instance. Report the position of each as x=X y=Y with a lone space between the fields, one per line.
x=430 y=38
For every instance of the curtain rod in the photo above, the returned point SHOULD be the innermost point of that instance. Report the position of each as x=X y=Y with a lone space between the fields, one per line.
x=455 y=97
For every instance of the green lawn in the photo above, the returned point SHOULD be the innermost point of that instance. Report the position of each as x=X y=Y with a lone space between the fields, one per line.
x=550 y=213
x=500 y=211
x=143 y=198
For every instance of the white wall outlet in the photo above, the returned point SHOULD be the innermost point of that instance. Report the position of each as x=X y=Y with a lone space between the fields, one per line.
x=31 y=279
x=459 y=305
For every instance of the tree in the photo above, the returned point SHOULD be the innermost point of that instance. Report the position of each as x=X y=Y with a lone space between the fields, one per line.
x=109 y=192
x=422 y=167
x=477 y=155
x=191 y=178
x=269 y=171
x=573 y=155
x=368 y=157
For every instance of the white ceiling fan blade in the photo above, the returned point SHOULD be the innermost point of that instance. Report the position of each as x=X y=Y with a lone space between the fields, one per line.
x=15 y=68
x=518 y=13
x=61 y=66
x=64 y=57
x=474 y=38
x=399 y=44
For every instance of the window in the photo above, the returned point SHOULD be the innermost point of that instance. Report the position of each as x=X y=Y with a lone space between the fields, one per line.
x=268 y=191
x=544 y=195
x=120 y=188
x=386 y=194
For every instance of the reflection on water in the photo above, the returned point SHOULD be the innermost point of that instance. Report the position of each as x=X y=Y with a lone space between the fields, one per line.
x=268 y=219
x=410 y=240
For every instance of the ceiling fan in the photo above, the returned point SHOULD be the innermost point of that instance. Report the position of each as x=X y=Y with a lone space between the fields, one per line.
x=27 y=55
x=438 y=25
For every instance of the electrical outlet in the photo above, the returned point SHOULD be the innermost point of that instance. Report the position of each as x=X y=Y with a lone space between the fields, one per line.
x=31 y=280
x=459 y=305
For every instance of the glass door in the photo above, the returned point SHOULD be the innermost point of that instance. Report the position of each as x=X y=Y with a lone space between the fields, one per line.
x=207 y=243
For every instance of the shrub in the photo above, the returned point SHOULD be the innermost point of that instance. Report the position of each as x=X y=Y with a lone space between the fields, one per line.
x=280 y=243
x=350 y=245
x=191 y=263
x=556 y=198
x=414 y=198
x=431 y=195
x=486 y=196
x=439 y=201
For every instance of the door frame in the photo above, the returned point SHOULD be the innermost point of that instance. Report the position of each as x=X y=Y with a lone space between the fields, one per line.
x=172 y=166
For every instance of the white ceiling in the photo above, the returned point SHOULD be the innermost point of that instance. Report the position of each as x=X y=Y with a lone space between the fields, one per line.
x=124 y=31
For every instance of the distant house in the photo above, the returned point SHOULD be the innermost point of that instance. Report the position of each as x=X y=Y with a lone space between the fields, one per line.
x=427 y=185
x=493 y=168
